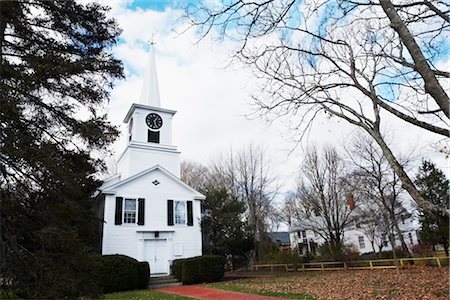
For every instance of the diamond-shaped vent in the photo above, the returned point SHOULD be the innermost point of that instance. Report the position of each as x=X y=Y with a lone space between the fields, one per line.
x=156 y=182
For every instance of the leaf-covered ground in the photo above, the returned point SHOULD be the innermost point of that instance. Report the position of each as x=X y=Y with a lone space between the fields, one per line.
x=415 y=283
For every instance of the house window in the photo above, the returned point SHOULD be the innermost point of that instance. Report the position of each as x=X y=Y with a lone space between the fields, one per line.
x=361 y=242
x=410 y=238
x=299 y=234
x=300 y=249
x=180 y=212
x=304 y=234
x=129 y=213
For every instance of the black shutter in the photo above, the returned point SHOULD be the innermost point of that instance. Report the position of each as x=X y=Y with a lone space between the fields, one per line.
x=190 y=216
x=153 y=136
x=170 y=212
x=118 y=217
x=141 y=211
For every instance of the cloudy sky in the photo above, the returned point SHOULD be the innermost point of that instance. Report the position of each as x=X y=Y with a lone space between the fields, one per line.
x=212 y=99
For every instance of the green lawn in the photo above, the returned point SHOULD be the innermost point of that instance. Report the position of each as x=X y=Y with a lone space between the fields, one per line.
x=246 y=286
x=142 y=295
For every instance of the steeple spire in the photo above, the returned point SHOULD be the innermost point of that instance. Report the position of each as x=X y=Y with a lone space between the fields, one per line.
x=150 y=88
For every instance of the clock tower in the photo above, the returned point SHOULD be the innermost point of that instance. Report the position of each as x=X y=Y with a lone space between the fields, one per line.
x=149 y=138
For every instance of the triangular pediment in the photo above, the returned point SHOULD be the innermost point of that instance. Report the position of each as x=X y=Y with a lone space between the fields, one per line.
x=107 y=188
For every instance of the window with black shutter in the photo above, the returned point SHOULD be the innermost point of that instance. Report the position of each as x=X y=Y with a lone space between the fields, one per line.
x=170 y=212
x=141 y=211
x=190 y=215
x=118 y=215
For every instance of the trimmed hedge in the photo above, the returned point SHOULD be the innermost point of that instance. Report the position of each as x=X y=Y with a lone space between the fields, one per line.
x=143 y=274
x=207 y=268
x=176 y=267
x=123 y=273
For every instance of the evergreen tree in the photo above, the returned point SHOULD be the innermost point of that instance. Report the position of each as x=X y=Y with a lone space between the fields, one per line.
x=55 y=75
x=434 y=187
x=223 y=228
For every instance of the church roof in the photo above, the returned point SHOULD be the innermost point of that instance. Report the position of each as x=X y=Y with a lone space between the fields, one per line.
x=150 y=88
x=110 y=188
x=153 y=108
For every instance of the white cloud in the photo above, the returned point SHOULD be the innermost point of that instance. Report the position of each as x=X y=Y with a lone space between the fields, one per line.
x=211 y=101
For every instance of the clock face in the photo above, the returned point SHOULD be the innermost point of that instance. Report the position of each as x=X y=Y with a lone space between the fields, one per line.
x=154 y=121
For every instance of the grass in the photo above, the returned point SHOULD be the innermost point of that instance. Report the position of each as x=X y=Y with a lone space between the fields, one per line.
x=245 y=286
x=142 y=295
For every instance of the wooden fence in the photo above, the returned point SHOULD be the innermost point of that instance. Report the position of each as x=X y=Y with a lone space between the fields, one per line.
x=355 y=265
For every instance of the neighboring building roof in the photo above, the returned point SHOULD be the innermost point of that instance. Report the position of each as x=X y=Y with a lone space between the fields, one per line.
x=281 y=238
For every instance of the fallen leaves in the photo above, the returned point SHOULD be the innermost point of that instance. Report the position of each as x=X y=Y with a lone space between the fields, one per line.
x=415 y=283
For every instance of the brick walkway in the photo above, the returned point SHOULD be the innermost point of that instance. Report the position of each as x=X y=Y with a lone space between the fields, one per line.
x=201 y=292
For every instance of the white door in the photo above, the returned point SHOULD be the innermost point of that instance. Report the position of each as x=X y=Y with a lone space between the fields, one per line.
x=155 y=252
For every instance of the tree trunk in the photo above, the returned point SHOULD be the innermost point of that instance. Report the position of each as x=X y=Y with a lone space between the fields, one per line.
x=446 y=249
x=402 y=240
x=394 y=255
x=407 y=183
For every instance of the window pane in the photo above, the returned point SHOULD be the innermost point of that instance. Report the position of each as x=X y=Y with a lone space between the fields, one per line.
x=130 y=204
x=129 y=213
x=180 y=212
x=362 y=245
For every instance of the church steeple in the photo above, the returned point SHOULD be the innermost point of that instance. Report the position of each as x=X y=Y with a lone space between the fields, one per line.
x=149 y=130
x=150 y=89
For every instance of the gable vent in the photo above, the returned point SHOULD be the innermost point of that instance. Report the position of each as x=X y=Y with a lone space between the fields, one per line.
x=156 y=182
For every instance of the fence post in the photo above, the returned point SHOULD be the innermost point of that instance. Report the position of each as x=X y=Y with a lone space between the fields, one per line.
x=370 y=263
x=322 y=267
x=401 y=262
x=303 y=267
x=345 y=266
x=438 y=261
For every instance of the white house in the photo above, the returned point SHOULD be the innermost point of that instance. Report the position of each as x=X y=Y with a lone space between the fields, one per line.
x=148 y=212
x=305 y=240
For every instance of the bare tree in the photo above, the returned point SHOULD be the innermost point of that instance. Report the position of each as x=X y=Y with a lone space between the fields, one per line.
x=322 y=198
x=247 y=174
x=359 y=60
x=194 y=174
x=379 y=186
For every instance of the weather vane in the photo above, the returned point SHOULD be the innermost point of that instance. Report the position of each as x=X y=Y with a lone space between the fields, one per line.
x=152 y=39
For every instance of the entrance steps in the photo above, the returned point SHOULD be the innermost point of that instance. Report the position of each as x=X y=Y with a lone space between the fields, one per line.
x=165 y=281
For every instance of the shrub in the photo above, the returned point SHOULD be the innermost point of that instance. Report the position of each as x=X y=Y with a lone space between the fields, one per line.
x=207 y=268
x=388 y=254
x=211 y=267
x=176 y=267
x=118 y=273
x=143 y=275
x=285 y=257
x=422 y=249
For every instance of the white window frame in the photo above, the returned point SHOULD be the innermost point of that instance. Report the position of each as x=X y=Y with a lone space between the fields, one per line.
x=135 y=211
x=361 y=242
x=175 y=213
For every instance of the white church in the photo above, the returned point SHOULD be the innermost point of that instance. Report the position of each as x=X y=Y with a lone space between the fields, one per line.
x=148 y=212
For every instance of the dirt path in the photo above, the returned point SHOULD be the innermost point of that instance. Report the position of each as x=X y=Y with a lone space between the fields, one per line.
x=201 y=292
